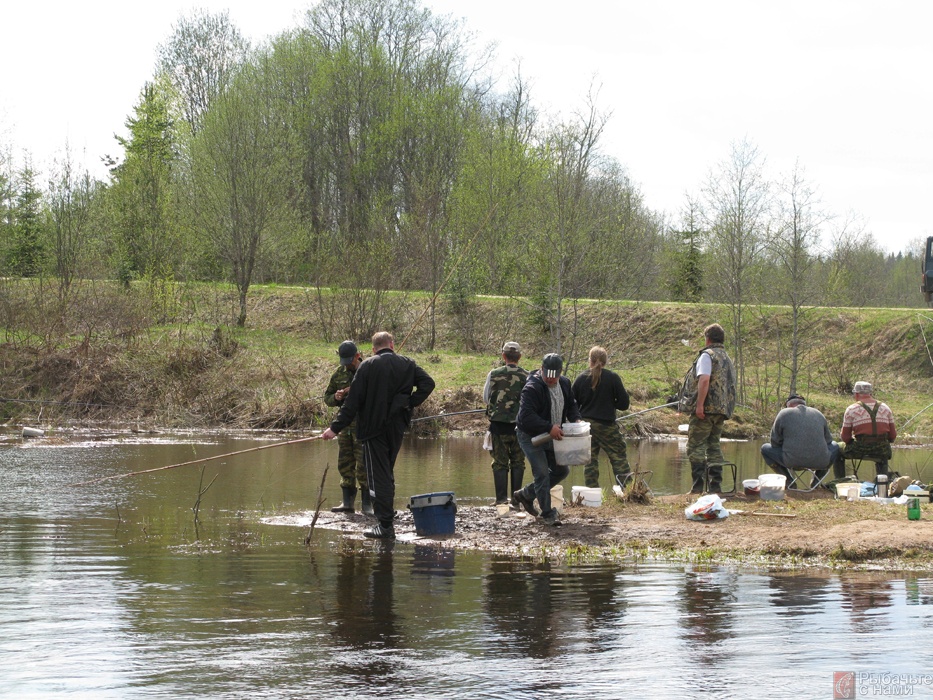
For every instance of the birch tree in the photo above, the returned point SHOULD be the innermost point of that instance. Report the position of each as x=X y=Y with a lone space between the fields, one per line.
x=793 y=245
x=238 y=176
x=737 y=204
x=200 y=59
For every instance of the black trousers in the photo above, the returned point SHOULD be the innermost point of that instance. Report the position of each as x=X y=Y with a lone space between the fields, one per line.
x=379 y=455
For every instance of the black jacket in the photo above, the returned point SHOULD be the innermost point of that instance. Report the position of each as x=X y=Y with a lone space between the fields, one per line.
x=534 y=410
x=600 y=405
x=381 y=392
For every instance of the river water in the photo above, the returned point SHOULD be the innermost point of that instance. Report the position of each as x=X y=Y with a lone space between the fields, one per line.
x=114 y=590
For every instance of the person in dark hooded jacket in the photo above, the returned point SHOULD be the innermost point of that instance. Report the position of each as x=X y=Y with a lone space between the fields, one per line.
x=546 y=403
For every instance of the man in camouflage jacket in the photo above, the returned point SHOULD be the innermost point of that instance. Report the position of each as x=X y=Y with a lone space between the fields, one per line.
x=502 y=393
x=349 y=448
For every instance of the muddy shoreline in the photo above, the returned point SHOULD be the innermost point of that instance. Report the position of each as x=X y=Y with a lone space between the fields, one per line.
x=820 y=532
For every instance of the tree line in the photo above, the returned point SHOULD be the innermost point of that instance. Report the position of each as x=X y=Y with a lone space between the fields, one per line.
x=371 y=150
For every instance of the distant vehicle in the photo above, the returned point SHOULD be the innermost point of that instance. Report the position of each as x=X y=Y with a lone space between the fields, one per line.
x=926 y=282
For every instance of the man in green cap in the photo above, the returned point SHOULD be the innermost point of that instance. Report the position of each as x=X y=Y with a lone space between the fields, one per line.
x=349 y=448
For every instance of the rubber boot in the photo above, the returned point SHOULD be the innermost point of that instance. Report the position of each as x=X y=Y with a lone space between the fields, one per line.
x=500 y=478
x=366 y=501
x=349 y=495
x=518 y=473
x=881 y=468
x=698 y=472
x=839 y=468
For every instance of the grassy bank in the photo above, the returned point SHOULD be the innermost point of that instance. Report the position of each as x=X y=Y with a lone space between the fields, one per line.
x=107 y=356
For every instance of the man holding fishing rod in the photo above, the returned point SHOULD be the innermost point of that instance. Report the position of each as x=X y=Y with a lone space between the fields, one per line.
x=350 y=449
x=383 y=393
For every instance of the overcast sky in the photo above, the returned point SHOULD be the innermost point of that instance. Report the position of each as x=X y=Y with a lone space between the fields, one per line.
x=843 y=87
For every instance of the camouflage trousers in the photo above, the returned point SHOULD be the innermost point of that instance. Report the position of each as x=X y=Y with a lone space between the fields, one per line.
x=506 y=453
x=350 y=459
x=608 y=438
x=703 y=439
x=878 y=452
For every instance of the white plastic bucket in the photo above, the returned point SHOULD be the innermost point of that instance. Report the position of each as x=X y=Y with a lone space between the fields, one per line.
x=33 y=432
x=592 y=497
x=571 y=451
x=771 y=487
x=575 y=429
x=557 y=498
x=752 y=488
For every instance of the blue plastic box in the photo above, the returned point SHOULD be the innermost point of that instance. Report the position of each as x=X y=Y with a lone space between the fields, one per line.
x=434 y=513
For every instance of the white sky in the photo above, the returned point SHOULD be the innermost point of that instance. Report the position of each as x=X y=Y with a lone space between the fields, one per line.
x=843 y=86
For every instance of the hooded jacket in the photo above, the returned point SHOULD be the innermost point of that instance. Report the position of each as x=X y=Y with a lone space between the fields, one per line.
x=534 y=411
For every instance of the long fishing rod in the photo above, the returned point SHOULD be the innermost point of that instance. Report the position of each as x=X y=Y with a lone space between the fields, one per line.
x=653 y=408
x=195 y=461
x=446 y=415
x=66 y=403
x=914 y=416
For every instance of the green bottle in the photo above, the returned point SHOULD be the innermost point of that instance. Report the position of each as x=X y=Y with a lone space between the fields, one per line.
x=913 y=508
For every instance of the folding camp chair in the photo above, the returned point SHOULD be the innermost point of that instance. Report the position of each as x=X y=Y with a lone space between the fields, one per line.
x=881 y=466
x=815 y=481
x=731 y=466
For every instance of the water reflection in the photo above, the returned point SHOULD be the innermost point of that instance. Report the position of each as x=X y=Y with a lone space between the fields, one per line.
x=798 y=594
x=706 y=601
x=865 y=599
x=539 y=609
x=364 y=618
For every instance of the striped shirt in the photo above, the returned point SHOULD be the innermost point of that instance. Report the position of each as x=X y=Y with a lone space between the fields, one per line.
x=857 y=421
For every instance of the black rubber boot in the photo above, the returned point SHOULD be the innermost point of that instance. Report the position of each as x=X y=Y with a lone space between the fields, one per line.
x=518 y=473
x=839 y=468
x=500 y=479
x=881 y=468
x=698 y=472
x=366 y=501
x=527 y=503
x=349 y=495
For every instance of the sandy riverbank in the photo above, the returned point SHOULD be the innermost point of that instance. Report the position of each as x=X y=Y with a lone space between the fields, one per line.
x=821 y=532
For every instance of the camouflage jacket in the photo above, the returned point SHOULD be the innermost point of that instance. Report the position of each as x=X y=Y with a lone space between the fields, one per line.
x=721 y=396
x=503 y=391
x=339 y=380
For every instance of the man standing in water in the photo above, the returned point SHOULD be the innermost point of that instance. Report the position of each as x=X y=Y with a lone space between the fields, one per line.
x=384 y=391
x=350 y=449
x=708 y=395
x=502 y=393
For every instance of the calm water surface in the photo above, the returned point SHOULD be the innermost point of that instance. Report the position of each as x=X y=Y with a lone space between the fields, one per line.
x=114 y=591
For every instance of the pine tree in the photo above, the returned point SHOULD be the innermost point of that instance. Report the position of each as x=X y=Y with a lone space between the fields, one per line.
x=27 y=249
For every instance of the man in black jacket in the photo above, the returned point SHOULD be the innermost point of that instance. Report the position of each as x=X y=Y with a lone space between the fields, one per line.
x=546 y=403
x=383 y=393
